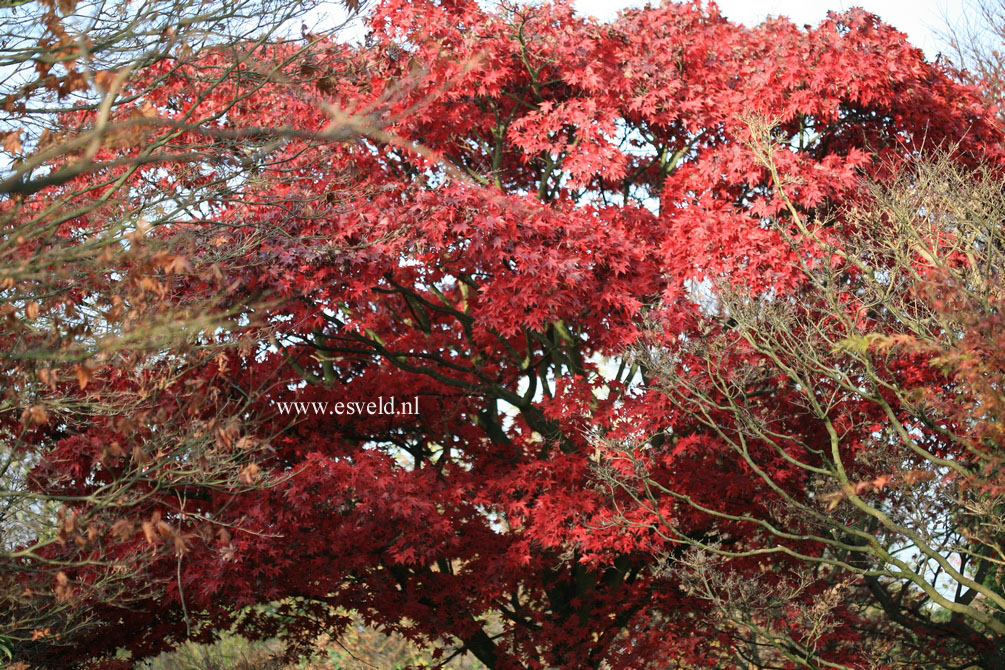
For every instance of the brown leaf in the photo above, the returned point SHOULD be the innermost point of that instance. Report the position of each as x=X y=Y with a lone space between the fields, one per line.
x=83 y=373
x=122 y=530
x=31 y=310
x=912 y=477
x=47 y=377
x=103 y=80
x=881 y=481
x=12 y=142
x=165 y=530
x=249 y=474
x=225 y=435
x=177 y=265
x=45 y=139
x=34 y=416
x=149 y=532
x=68 y=522
x=832 y=499
x=221 y=361
x=63 y=593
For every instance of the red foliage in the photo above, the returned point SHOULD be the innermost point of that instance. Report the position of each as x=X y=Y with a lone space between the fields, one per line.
x=570 y=174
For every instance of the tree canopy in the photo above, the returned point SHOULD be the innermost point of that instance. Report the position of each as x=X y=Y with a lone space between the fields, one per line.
x=486 y=208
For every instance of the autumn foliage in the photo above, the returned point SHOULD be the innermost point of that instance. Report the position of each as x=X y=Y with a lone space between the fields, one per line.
x=528 y=196
x=852 y=422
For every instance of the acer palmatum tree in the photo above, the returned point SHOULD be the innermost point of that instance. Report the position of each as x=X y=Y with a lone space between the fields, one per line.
x=541 y=179
x=853 y=428
x=122 y=432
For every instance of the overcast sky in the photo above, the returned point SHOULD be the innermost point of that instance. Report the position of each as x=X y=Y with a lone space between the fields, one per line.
x=918 y=18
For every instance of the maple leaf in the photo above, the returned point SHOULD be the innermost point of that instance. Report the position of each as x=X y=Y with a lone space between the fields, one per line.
x=881 y=481
x=84 y=374
x=12 y=142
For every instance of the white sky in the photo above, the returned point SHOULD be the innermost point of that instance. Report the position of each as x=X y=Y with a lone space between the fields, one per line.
x=920 y=19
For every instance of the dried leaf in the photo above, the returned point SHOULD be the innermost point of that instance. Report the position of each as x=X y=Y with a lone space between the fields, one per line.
x=122 y=530
x=165 y=530
x=249 y=474
x=104 y=80
x=84 y=374
x=12 y=142
x=47 y=377
x=149 y=532
x=34 y=416
x=881 y=481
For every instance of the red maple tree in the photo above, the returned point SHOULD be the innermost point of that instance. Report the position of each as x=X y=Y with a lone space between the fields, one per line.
x=532 y=189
